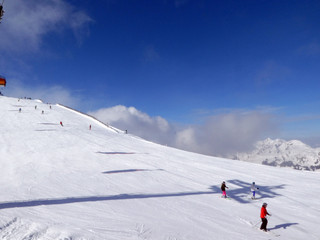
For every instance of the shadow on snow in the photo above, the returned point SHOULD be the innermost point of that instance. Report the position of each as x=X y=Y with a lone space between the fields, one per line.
x=239 y=194
x=46 y=130
x=59 y=201
x=284 y=226
x=54 y=124
x=116 y=153
x=242 y=192
x=131 y=170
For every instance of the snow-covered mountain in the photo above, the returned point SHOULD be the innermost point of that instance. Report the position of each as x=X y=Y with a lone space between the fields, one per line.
x=278 y=152
x=72 y=182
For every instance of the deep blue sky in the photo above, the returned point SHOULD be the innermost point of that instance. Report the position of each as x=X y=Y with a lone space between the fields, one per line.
x=182 y=59
x=200 y=54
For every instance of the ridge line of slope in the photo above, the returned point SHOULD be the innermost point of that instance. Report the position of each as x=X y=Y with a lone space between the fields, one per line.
x=89 y=116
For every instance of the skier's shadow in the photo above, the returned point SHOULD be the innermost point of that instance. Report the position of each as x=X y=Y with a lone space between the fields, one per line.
x=242 y=193
x=284 y=226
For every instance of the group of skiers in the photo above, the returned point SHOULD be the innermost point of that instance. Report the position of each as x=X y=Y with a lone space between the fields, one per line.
x=61 y=124
x=263 y=211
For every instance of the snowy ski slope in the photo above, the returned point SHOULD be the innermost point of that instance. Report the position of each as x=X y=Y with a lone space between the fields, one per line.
x=74 y=183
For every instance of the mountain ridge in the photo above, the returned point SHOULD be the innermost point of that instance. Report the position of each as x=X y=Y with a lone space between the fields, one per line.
x=281 y=153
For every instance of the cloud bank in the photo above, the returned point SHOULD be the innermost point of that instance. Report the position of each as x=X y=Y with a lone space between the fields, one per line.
x=138 y=123
x=50 y=94
x=25 y=23
x=25 y=30
x=220 y=135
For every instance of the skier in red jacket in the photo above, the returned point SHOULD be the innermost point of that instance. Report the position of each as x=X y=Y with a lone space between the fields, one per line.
x=263 y=215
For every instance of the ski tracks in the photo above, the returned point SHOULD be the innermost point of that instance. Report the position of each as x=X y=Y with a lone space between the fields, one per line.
x=256 y=226
x=17 y=228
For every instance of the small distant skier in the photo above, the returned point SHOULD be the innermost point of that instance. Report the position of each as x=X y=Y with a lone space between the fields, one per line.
x=90 y=127
x=223 y=189
x=61 y=124
x=19 y=110
x=263 y=215
x=253 y=190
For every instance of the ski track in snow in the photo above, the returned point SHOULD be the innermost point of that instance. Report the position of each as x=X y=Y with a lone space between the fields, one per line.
x=71 y=183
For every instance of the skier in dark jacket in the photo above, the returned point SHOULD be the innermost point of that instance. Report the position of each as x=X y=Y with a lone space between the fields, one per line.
x=263 y=215
x=223 y=189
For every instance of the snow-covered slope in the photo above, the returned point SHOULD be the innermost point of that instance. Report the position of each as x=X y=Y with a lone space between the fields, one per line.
x=278 y=152
x=69 y=182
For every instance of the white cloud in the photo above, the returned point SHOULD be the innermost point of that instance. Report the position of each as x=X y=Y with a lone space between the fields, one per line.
x=24 y=27
x=311 y=49
x=229 y=133
x=272 y=73
x=312 y=141
x=50 y=94
x=25 y=23
x=150 y=54
x=186 y=139
x=129 y=118
x=219 y=135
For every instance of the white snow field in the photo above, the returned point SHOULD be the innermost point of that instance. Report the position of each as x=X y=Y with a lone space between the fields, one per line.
x=74 y=183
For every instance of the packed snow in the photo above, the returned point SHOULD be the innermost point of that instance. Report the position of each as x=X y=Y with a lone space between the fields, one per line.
x=70 y=182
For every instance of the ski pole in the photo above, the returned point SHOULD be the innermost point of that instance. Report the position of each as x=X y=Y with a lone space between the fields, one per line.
x=268 y=217
x=256 y=223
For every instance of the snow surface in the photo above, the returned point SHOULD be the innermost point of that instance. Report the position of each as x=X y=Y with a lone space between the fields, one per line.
x=74 y=183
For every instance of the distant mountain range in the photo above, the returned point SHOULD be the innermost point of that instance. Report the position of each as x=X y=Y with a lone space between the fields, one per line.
x=294 y=154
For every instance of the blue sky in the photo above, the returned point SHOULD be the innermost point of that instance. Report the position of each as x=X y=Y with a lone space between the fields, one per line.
x=186 y=61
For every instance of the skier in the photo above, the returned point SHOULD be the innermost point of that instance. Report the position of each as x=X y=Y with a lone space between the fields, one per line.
x=223 y=189
x=61 y=124
x=90 y=127
x=263 y=215
x=253 y=190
